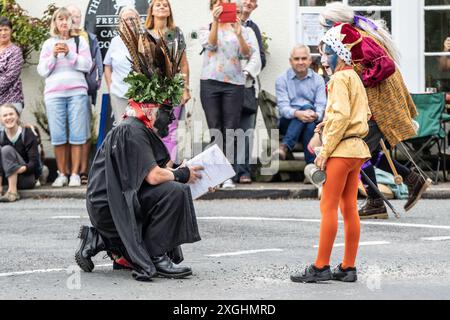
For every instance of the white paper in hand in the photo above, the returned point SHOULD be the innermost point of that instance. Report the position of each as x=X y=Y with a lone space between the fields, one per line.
x=217 y=169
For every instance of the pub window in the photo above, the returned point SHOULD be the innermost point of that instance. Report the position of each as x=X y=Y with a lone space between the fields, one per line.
x=437 y=56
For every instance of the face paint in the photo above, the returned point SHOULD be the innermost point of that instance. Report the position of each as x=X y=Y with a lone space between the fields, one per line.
x=332 y=61
x=163 y=119
x=327 y=60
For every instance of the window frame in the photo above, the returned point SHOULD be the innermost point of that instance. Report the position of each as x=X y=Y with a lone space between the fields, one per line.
x=317 y=9
x=424 y=8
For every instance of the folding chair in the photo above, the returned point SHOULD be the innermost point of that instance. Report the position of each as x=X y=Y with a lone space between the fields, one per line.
x=432 y=119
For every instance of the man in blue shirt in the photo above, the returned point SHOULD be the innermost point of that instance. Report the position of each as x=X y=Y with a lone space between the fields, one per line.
x=301 y=100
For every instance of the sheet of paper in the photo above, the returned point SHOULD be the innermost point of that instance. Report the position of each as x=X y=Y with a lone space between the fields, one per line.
x=217 y=169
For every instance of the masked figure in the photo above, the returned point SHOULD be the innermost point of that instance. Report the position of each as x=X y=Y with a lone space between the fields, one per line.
x=341 y=156
x=373 y=58
x=140 y=210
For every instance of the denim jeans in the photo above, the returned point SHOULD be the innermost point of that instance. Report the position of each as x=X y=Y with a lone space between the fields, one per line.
x=68 y=118
x=295 y=129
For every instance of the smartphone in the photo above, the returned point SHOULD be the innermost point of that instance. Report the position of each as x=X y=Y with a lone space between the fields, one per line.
x=229 y=14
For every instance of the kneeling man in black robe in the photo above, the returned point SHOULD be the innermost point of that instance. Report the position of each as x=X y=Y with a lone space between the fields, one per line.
x=140 y=210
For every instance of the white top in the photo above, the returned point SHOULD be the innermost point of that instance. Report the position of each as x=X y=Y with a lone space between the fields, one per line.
x=118 y=58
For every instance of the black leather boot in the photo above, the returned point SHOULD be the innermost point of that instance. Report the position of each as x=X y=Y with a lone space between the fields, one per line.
x=417 y=185
x=373 y=209
x=91 y=243
x=166 y=268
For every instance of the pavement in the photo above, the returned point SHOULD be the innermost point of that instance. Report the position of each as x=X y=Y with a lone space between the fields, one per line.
x=249 y=248
x=268 y=190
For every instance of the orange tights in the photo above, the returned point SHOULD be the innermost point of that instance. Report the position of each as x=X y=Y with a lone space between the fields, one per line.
x=340 y=190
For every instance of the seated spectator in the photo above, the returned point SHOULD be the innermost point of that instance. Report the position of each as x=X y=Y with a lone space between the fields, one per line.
x=11 y=62
x=301 y=101
x=19 y=156
x=63 y=63
x=118 y=66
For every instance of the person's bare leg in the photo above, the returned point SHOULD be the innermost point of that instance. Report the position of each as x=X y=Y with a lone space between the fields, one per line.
x=60 y=155
x=76 y=158
x=85 y=150
x=68 y=164
x=12 y=183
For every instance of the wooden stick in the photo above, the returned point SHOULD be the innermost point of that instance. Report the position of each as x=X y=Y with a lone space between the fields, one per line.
x=397 y=178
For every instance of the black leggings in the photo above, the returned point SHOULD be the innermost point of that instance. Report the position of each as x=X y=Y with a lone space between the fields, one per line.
x=222 y=103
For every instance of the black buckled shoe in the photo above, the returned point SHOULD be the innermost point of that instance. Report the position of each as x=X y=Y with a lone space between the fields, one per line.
x=166 y=268
x=344 y=275
x=373 y=209
x=417 y=185
x=91 y=243
x=313 y=274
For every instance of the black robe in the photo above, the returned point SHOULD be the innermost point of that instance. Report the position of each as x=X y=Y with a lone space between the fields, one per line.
x=135 y=219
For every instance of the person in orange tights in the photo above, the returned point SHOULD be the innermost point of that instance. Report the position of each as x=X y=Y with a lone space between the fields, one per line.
x=342 y=154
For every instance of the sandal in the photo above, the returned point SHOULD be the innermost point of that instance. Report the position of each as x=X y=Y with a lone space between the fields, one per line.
x=84 y=178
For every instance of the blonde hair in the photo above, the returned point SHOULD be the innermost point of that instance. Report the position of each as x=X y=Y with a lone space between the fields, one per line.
x=339 y=12
x=54 y=32
x=150 y=21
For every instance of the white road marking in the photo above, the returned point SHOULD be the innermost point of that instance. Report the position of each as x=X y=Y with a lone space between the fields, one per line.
x=366 y=243
x=237 y=253
x=21 y=273
x=390 y=224
x=69 y=217
x=436 y=239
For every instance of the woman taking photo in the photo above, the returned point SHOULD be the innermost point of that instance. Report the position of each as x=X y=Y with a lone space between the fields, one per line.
x=63 y=64
x=160 y=21
x=222 y=78
x=19 y=155
x=11 y=62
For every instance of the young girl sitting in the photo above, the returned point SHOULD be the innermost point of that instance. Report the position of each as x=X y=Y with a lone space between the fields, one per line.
x=19 y=155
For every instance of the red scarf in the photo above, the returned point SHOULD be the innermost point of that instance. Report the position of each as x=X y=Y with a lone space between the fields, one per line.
x=140 y=115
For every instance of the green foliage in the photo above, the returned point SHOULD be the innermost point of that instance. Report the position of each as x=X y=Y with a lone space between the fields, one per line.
x=265 y=41
x=157 y=90
x=28 y=32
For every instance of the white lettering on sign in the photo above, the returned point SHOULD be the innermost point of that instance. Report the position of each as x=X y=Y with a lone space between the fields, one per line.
x=94 y=6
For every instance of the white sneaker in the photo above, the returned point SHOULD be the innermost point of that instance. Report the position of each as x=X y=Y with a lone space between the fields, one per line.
x=60 y=182
x=75 y=181
x=228 y=184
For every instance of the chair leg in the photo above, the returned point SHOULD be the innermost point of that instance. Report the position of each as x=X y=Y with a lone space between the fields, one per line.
x=417 y=159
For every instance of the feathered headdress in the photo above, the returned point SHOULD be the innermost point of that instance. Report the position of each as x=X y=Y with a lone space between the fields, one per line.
x=156 y=65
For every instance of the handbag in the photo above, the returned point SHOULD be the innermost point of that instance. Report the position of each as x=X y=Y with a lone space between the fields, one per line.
x=250 y=105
